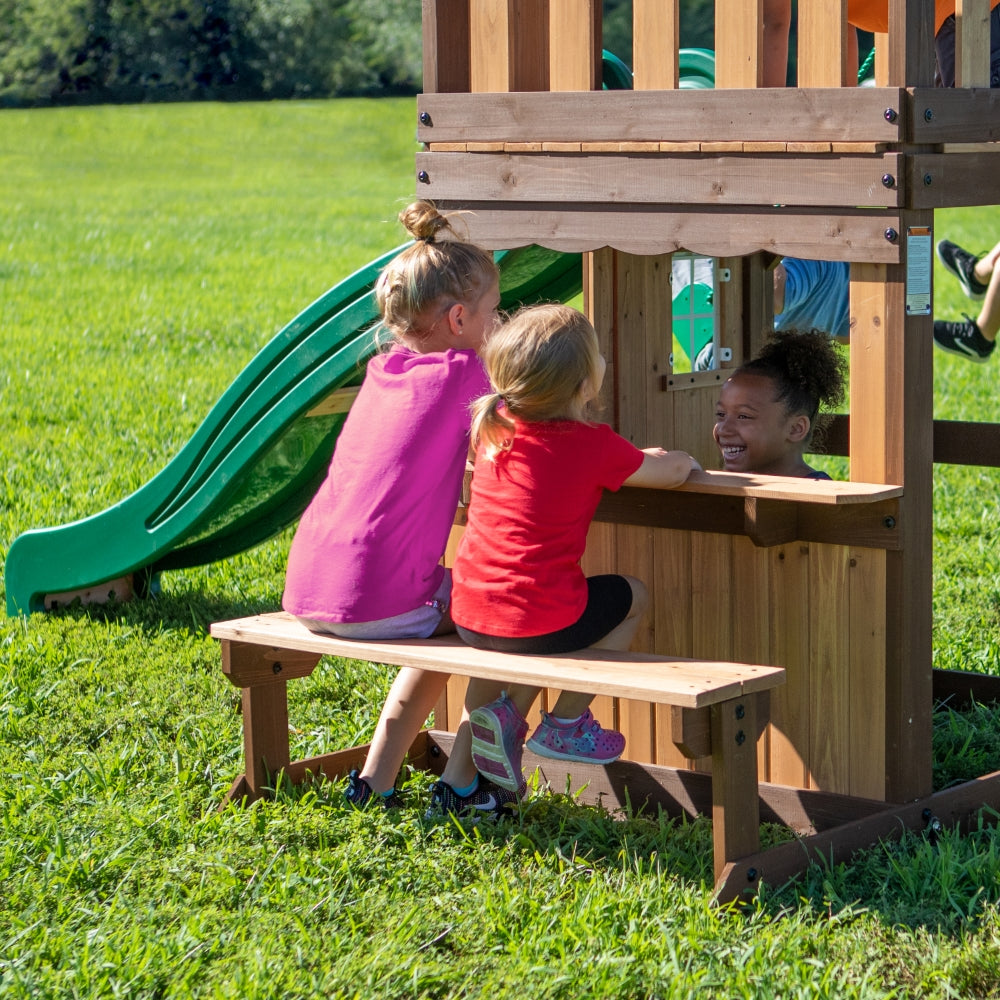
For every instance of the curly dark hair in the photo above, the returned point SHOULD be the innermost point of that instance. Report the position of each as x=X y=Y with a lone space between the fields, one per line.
x=807 y=370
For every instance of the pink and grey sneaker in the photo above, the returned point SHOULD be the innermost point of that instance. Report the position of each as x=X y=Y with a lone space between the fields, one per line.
x=498 y=732
x=582 y=740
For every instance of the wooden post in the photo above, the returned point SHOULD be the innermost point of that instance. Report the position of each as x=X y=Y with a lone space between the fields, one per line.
x=891 y=441
x=972 y=43
x=911 y=43
x=739 y=43
x=822 y=38
x=655 y=44
x=446 y=46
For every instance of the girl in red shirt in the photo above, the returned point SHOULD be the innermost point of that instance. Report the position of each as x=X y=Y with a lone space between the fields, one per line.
x=541 y=467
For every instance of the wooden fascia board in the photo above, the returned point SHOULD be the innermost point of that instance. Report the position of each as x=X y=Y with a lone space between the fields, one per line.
x=858 y=114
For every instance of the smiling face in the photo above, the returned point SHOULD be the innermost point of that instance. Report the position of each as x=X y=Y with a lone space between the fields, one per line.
x=754 y=431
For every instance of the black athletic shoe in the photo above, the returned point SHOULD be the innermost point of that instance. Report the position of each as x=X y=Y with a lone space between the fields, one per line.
x=487 y=800
x=359 y=793
x=962 y=264
x=964 y=339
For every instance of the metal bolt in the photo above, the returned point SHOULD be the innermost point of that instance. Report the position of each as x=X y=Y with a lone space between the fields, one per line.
x=889 y=521
x=925 y=815
x=740 y=738
x=890 y=115
x=928 y=180
x=888 y=181
x=751 y=874
x=928 y=114
x=740 y=711
x=425 y=118
x=891 y=235
x=275 y=668
x=435 y=750
x=424 y=177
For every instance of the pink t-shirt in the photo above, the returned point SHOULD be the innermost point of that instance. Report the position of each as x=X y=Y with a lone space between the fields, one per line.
x=370 y=543
x=517 y=572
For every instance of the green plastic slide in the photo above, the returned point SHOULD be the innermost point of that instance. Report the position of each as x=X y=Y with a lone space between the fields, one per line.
x=255 y=462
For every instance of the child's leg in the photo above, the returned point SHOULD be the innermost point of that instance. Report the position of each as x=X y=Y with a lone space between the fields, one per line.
x=412 y=697
x=572 y=704
x=988 y=319
x=986 y=265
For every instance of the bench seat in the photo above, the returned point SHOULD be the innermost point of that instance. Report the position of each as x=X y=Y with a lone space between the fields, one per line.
x=718 y=707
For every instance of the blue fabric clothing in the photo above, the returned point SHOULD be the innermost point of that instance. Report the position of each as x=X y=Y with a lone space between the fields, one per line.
x=817 y=297
x=818 y=474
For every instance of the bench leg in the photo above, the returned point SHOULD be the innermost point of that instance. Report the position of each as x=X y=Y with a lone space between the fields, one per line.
x=262 y=674
x=735 y=807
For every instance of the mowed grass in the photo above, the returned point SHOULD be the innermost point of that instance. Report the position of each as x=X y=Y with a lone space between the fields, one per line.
x=146 y=254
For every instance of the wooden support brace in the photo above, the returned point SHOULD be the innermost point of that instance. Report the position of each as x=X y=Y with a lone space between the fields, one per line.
x=735 y=806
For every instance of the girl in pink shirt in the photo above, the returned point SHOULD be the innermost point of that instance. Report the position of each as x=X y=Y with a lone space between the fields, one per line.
x=366 y=558
x=541 y=467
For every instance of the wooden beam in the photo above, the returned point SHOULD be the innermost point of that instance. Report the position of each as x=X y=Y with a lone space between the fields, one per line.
x=818 y=115
x=911 y=43
x=951 y=180
x=704 y=180
x=945 y=115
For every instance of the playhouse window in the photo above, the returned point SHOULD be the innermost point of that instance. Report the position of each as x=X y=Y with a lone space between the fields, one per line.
x=693 y=283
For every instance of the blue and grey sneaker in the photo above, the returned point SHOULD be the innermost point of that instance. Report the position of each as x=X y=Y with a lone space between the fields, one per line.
x=964 y=339
x=360 y=794
x=487 y=800
x=962 y=264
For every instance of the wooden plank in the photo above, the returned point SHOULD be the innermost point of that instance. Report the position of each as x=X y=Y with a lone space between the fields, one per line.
x=690 y=683
x=844 y=234
x=754 y=484
x=446 y=46
x=490 y=43
x=881 y=59
x=957 y=179
x=702 y=179
x=813 y=115
x=655 y=44
x=830 y=696
x=693 y=416
x=790 y=632
x=739 y=43
x=972 y=43
x=822 y=38
x=945 y=115
x=574 y=61
x=866 y=615
x=265 y=735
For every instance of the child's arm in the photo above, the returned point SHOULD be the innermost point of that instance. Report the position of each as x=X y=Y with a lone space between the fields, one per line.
x=663 y=469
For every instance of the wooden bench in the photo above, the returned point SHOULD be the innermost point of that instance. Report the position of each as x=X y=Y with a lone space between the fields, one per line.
x=718 y=708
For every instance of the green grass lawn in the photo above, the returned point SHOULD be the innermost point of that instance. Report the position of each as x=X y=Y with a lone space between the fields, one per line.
x=146 y=254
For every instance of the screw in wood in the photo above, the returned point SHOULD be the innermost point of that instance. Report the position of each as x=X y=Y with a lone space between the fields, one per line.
x=424 y=177
x=890 y=115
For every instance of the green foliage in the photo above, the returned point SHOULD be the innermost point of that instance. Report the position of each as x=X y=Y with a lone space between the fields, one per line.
x=130 y=50
x=149 y=252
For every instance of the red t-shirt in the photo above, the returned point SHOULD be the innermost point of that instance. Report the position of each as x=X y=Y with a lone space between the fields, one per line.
x=517 y=572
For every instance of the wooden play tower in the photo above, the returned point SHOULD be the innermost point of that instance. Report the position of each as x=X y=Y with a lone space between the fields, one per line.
x=831 y=581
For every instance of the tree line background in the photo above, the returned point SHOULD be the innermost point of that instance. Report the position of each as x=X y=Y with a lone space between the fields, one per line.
x=73 y=51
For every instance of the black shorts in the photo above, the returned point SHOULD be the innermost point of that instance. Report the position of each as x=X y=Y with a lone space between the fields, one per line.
x=609 y=600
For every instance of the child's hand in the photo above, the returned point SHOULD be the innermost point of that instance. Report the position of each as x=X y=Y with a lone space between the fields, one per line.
x=663 y=469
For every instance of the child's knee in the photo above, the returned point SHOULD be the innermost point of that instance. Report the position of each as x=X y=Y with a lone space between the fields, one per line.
x=640 y=597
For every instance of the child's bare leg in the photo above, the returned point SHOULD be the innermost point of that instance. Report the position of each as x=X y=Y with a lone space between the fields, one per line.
x=988 y=319
x=412 y=697
x=777 y=22
x=986 y=265
x=572 y=704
